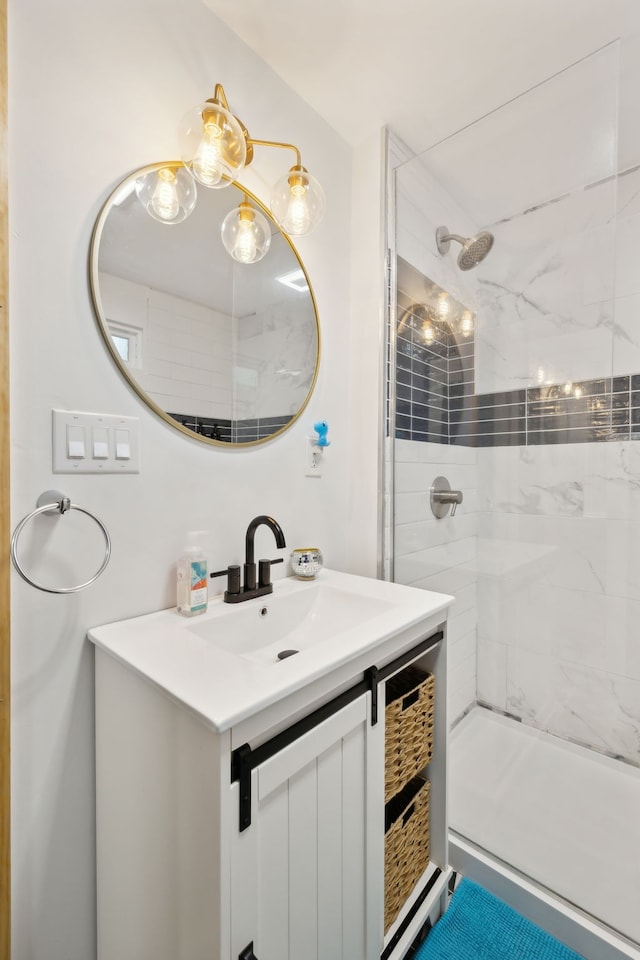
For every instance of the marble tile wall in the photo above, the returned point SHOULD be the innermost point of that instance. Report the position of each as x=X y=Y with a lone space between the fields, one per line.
x=440 y=555
x=558 y=561
x=274 y=360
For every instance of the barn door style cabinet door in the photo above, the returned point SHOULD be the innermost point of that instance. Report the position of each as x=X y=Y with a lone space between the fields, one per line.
x=299 y=880
x=280 y=837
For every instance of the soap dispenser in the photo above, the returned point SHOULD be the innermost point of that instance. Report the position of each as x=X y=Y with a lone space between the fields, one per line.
x=192 y=578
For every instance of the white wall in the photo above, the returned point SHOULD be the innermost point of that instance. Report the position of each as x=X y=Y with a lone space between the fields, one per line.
x=97 y=90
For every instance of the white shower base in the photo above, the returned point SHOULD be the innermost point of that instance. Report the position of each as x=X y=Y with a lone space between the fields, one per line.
x=526 y=806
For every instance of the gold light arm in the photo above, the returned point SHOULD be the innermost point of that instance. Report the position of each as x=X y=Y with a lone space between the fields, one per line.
x=275 y=143
x=220 y=97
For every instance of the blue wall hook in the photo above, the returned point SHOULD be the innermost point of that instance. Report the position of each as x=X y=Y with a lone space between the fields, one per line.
x=322 y=428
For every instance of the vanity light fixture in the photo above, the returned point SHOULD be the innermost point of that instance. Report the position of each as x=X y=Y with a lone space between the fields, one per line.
x=216 y=147
x=246 y=235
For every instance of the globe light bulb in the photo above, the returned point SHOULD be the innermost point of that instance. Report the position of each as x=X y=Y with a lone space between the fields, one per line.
x=213 y=144
x=168 y=194
x=206 y=166
x=298 y=202
x=246 y=234
x=245 y=246
x=165 y=201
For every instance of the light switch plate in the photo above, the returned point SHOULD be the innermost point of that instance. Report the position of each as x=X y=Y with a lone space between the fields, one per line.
x=102 y=425
x=313 y=465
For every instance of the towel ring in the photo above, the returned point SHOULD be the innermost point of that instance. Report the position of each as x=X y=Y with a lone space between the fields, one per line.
x=52 y=502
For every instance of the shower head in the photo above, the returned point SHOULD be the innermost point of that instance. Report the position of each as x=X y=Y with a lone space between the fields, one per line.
x=474 y=249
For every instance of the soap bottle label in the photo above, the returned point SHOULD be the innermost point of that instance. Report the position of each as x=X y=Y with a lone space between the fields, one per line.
x=198 y=596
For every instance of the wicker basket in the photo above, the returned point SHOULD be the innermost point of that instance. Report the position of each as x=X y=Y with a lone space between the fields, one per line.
x=408 y=727
x=406 y=845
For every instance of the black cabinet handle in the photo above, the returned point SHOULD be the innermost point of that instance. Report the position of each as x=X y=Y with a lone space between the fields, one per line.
x=247 y=953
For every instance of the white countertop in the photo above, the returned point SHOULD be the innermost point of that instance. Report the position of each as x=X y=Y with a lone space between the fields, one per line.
x=224 y=686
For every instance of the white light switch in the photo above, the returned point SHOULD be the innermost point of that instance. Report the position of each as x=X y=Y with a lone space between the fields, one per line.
x=95 y=443
x=123 y=447
x=75 y=442
x=100 y=443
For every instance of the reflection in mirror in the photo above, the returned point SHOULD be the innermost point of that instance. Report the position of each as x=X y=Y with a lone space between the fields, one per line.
x=222 y=350
x=434 y=361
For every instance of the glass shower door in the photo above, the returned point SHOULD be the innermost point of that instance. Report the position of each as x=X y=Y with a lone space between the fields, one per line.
x=518 y=379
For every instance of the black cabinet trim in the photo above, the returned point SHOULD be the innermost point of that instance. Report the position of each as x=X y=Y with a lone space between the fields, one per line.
x=390 y=947
x=244 y=759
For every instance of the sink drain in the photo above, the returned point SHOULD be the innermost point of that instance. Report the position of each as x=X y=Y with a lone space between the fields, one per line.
x=286 y=653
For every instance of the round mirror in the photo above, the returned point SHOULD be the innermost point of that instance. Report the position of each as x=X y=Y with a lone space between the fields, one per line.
x=224 y=351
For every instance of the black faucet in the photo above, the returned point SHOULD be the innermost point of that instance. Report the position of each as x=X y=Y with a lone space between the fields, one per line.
x=234 y=593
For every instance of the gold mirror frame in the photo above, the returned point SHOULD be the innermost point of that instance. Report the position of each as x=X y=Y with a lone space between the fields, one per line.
x=237 y=192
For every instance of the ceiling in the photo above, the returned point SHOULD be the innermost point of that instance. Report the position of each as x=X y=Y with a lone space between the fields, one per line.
x=425 y=68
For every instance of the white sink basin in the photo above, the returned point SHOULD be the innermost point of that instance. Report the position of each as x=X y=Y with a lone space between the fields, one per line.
x=266 y=627
x=224 y=664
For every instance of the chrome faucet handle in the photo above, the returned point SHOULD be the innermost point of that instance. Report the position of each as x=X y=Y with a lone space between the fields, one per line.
x=442 y=497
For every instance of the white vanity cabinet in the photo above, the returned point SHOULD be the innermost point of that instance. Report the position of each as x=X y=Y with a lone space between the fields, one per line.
x=261 y=839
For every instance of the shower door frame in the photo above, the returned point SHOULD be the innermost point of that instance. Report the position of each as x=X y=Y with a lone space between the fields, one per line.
x=5 y=875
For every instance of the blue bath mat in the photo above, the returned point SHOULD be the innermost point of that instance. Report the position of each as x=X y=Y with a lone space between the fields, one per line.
x=477 y=926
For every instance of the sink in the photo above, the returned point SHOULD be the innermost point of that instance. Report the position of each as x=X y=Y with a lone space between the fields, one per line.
x=270 y=629
x=224 y=663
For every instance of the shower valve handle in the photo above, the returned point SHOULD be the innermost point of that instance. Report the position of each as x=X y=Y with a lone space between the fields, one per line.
x=442 y=497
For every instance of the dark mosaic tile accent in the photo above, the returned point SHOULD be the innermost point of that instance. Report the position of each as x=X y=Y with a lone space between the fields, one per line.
x=500 y=399
x=436 y=399
x=232 y=431
x=466 y=351
x=214 y=429
x=428 y=397
x=588 y=388
x=430 y=413
x=580 y=420
x=428 y=376
x=458 y=389
x=505 y=411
